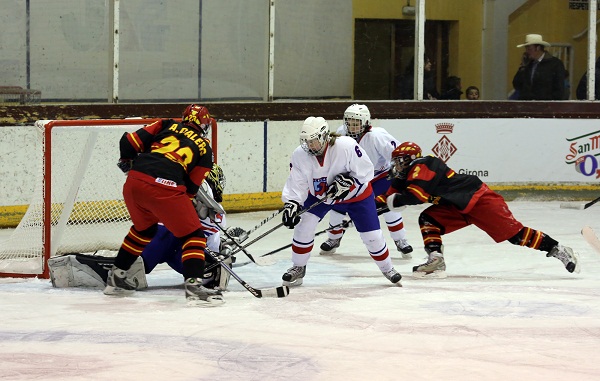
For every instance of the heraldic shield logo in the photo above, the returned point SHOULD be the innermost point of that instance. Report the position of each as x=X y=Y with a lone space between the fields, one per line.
x=444 y=148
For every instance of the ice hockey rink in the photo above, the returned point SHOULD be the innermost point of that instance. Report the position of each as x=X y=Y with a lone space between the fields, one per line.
x=503 y=313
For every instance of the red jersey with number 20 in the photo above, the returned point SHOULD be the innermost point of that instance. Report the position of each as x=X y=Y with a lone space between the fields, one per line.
x=170 y=152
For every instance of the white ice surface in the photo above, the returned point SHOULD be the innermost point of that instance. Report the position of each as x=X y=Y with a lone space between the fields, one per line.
x=504 y=313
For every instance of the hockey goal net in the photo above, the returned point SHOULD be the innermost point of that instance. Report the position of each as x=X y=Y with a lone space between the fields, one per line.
x=77 y=204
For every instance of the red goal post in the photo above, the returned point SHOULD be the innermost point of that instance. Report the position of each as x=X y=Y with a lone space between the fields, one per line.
x=77 y=204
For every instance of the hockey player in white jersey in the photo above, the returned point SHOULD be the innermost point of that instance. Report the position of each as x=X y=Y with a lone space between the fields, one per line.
x=378 y=144
x=327 y=165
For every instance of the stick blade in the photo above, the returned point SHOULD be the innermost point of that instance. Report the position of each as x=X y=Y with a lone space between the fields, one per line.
x=275 y=292
x=590 y=236
x=265 y=261
x=572 y=205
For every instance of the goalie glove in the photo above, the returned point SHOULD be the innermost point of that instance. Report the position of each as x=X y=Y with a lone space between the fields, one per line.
x=238 y=233
x=340 y=187
x=290 y=217
x=125 y=165
x=393 y=202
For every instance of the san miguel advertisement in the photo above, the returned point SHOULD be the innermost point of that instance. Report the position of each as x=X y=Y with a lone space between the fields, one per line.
x=508 y=150
x=583 y=154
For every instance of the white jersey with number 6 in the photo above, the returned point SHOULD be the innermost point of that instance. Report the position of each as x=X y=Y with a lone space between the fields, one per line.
x=309 y=175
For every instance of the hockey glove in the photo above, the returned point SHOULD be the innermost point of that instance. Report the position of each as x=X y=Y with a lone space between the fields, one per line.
x=394 y=203
x=125 y=165
x=290 y=217
x=340 y=187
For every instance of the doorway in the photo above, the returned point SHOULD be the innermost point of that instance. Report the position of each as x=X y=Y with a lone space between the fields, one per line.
x=384 y=48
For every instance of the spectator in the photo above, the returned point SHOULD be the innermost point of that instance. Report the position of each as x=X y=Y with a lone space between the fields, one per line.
x=406 y=86
x=541 y=76
x=453 y=89
x=472 y=93
x=567 y=94
x=581 y=91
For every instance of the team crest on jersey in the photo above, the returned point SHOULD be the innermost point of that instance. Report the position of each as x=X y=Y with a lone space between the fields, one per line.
x=320 y=186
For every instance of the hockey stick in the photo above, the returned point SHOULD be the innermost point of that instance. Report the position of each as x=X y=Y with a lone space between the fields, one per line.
x=261 y=223
x=235 y=242
x=343 y=225
x=591 y=203
x=274 y=292
x=591 y=237
x=278 y=226
x=566 y=205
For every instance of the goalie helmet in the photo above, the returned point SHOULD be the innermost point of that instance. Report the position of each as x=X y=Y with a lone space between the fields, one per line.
x=199 y=117
x=357 y=121
x=402 y=157
x=216 y=180
x=314 y=135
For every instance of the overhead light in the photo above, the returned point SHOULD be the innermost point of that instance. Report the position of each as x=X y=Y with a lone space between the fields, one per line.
x=408 y=10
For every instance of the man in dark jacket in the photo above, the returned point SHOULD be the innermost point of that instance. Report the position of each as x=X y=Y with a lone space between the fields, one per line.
x=581 y=91
x=541 y=76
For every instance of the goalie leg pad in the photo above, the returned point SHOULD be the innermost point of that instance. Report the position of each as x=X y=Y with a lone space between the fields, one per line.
x=80 y=270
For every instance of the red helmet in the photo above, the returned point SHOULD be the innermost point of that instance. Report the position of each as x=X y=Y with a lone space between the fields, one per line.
x=402 y=157
x=198 y=116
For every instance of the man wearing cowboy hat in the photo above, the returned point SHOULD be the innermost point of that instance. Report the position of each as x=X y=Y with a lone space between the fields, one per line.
x=541 y=76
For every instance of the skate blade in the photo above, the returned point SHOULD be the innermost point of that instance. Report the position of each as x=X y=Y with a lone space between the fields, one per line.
x=437 y=274
x=212 y=301
x=295 y=283
x=405 y=257
x=330 y=252
x=117 y=291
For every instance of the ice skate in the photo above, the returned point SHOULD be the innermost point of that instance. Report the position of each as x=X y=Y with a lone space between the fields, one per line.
x=435 y=267
x=196 y=294
x=294 y=276
x=393 y=276
x=404 y=248
x=117 y=283
x=329 y=246
x=566 y=256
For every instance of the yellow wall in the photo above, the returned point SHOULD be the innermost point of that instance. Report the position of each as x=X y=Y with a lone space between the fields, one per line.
x=465 y=34
x=551 y=18
x=556 y=23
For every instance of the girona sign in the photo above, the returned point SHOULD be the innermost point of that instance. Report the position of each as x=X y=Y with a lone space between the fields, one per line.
x=584 y=151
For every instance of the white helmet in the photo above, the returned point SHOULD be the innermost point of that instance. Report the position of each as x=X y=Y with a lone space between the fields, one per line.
x=314 y=135
x=357 y=120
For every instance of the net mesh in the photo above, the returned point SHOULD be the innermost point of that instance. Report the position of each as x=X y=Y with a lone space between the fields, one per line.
x=87 y=208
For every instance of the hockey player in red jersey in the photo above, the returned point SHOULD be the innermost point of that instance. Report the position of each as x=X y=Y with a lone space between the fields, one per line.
x=458 y=201
x=165 y=163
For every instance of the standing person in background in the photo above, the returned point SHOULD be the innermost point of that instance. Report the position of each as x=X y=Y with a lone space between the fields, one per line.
x=458 y=201
x=406 y=86
x=472 y=93
x=453 y=88
x=541 y=76
x=581 y=91
x=336 y=168
x=165 y=163
x=378 y=144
